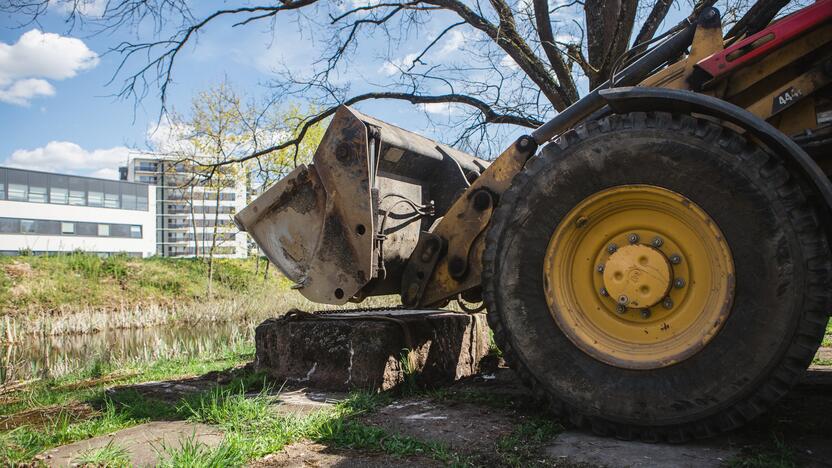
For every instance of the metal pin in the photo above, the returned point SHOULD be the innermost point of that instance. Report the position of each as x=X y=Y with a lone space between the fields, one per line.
x=675 y=259
x=679 y=283
x=667 y=303
x=612 y=248
x=657 y=242
x=604 y=292
x=600 y=268
x=633 y=238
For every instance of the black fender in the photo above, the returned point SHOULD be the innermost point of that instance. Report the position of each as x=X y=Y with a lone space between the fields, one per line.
x=646 y=99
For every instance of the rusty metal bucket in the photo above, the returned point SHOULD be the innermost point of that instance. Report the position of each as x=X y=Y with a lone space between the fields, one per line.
x=344 y=226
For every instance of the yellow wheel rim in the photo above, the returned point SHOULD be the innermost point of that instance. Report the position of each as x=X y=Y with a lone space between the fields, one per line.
x=638 y=277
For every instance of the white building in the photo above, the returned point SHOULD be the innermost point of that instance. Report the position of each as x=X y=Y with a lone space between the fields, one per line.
x=191 y=217
x=42 y=212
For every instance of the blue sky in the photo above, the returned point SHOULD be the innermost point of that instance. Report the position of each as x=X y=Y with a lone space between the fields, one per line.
x=65 y=118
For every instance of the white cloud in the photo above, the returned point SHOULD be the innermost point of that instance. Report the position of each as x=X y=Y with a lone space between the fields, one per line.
x=441 y=108
x=391 y=68
x=92 y=8
x=455 y=40
x=509 y=62
x=37 y=56
x=68 y=157
x=21 y=91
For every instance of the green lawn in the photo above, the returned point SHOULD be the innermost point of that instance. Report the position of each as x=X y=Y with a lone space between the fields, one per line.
x=77 y=281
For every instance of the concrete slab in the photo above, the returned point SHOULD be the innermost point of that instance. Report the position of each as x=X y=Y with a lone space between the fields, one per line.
x=308 y=454
x=461 y=426
x=142 y=442
x=580 y=447
x=304 y=401
x=371 y=350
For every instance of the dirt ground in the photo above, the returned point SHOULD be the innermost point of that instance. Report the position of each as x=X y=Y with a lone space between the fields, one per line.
x=482 y=419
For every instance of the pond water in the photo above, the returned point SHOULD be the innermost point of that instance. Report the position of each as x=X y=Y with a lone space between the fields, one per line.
x=53 y=356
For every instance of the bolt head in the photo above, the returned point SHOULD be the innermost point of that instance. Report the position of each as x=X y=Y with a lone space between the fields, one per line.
x=604 y=292
x=600 y=268
x=645 y=313
x=679 y=283
x=612 y=248
x=675 y=259
x=623 y=300
x=620 y=309
x=667 y=303
x=633 y=238
x=657 y=242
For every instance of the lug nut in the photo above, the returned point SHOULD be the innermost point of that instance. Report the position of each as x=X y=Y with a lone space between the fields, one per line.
x=633 y=238
x=675 y=259
x=679 y=283
x=600 y=268
x=620 y=309
x=623 y=300
x=667 y=303
x=645 y=313
x=612 y=248
x=657 y=242
x=604 y=292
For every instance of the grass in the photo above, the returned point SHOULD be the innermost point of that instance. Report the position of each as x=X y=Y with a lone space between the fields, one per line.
x=194 y=454
x=111 y=455
x=242 y=409
x=521 y=447
x=78 y=281
x=254 y=429
x=775 y=455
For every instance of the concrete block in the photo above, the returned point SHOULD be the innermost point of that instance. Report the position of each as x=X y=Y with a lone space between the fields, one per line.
x=371 y=350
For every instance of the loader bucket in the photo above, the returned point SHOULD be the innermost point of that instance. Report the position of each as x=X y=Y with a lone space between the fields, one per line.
x=344 y=226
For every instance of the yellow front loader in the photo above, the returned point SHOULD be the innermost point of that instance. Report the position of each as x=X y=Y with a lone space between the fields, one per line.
x=655 y=260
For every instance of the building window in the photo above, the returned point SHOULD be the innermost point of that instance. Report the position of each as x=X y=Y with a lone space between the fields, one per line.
x=111 y=200
x=27 y=226
x=59 y=196
x=18 y=192
x=104 y=230
x=67 y=228
x=37 y=194
x=136 y=232
x=77 y=198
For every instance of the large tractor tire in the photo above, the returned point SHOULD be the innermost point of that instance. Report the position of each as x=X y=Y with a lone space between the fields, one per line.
x=657 y=277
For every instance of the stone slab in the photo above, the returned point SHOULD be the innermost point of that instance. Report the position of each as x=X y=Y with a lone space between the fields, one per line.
x=368 y=350
x=309 y=454
x=581 y=447
x=142 y=442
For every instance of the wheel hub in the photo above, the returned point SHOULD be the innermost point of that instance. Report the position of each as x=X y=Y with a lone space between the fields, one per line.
x=637 y=276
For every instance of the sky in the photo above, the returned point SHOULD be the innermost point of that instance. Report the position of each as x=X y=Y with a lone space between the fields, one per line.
x=58 y=111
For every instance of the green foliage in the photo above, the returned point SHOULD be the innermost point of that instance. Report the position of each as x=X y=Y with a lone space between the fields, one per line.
x=46 y=284
x=109 y=456
x=524 y=443
x=776 y=455
x=191 y=453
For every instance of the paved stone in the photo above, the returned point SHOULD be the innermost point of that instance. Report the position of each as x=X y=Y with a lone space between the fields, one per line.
x=462 y=426
x=143 y=442
x=364 y=350
x=304 y=401
x=308 y=454
x=580 y=447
